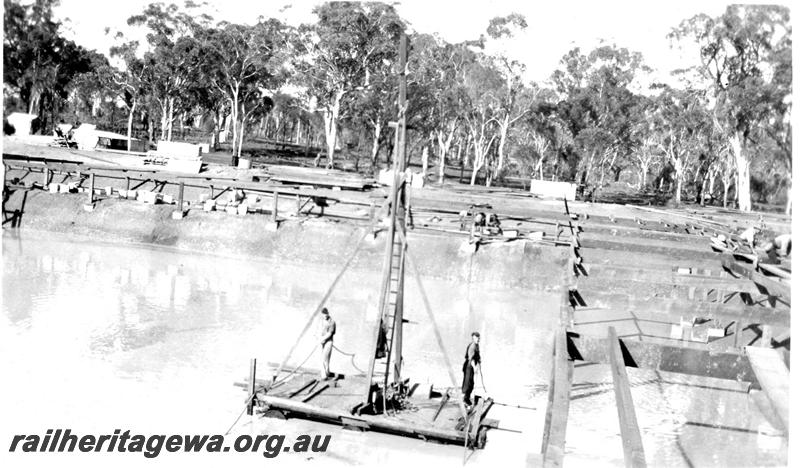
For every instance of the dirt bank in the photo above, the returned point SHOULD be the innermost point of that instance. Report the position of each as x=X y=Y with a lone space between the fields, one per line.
x=517 y=264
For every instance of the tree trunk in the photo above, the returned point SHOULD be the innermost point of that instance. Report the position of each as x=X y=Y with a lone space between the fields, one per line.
x=171 y=117
x=130 y=123
x=501 y=146
x=789 y=198
x=331 y=122
x=678 y=180
x=424 y=161
x=742 y=172
x=241 y=139
x=234 y=119
x=376 y=140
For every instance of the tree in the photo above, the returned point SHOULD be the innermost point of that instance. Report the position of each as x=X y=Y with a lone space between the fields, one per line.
x=682 y=122
x=38 y=63
x=338 y=54
x=174 y=57
x=244 y=63
x=436 y=90
x=599 y=107
x=513 y=100
x=744 y=54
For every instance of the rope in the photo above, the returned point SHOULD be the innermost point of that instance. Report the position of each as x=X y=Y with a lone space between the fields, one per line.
x=319 y=308
x=429 y=311
x=352 y=359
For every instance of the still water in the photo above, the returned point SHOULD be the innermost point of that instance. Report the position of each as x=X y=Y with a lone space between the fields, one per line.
x=95 y=337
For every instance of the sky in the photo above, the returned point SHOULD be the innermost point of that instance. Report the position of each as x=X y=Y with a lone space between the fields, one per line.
x=554 y=27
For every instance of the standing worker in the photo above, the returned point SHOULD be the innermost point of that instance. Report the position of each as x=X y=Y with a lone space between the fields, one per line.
x=472 y=362
x=326 y=339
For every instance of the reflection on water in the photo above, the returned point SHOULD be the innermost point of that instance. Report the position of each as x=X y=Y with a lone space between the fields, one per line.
x=102 y=336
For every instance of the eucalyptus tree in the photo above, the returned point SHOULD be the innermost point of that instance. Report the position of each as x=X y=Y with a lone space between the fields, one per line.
x=245 y=64
x=173 y=57
x=682 y=123
x=339 y=54
x=744 y=55
x=599 y=106
x=38 y=62
x=436 y=90
x=514 y=98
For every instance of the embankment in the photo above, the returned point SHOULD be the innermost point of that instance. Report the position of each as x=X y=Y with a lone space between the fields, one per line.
x=322 y=241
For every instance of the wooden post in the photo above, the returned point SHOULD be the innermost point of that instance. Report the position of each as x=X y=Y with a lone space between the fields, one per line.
x=275 y=206
x=180 y=197
x=299 y=206
x=91 y=188
x=46 y=180
x=127 y=183
x=372 y=212
x=251 y=388
x=212 y=191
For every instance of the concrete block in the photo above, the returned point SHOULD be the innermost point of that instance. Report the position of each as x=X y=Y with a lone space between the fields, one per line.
x=63 y=188
x=538 y=235
x=54 y=188
x=716 y=332
x=169 y=199
x=150 y=198
x=272 y=226
x=231 y=210
x=88 y=207
x=204 y=147
x=510 y=233
x=676 y=332
x=109 y=191
x=209 y=205
x=177 y=214
x=243 y=164
x=242 y=209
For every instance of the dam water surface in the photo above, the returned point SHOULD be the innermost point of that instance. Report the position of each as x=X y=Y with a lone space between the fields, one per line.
x=97 y=336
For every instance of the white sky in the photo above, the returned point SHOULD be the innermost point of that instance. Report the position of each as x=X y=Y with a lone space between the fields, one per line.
x=553 y=26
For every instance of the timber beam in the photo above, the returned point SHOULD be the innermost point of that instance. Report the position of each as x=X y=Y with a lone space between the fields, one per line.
x=555 y=424
x=773 y=376
x=628 y=425
x=671 y=310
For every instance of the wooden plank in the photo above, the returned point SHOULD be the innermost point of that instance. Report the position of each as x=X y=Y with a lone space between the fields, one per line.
x=308 y=384
x=773 y=376
x=772 y=286
x=667 y=358
x=555 y=425
x=444 y=401
x=316 y=392
x=628 y=425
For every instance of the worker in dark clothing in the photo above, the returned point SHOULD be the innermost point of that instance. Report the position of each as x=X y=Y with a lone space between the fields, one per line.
x=494 y=225
x=472 y=362
x=326 y=339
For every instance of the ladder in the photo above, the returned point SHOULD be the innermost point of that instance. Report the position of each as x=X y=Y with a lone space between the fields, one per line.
x=392 y=315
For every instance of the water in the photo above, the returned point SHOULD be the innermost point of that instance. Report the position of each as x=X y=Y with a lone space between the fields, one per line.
x=97 y=336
